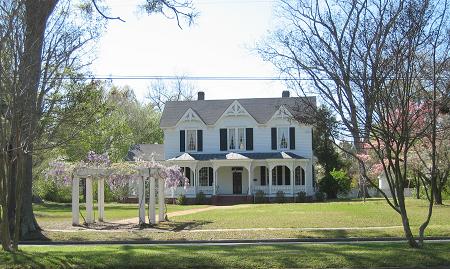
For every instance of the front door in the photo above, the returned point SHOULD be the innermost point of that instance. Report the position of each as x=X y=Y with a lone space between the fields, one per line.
x=237 y=183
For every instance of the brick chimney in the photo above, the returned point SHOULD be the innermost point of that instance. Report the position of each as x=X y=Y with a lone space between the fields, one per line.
x=201 y=96
x=285 y=94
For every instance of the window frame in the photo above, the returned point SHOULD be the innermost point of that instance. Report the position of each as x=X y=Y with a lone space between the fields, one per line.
x=206 y=174
x=187 y=142
x=279 y=138
x=235 y=131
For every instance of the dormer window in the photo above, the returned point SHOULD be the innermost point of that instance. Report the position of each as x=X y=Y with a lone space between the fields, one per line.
x=283 y=138
x=236 y=139
x=191 y=140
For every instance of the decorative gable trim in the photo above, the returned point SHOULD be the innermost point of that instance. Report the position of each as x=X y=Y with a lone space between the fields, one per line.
x=282 y=113
x=190 y=116
x=235 y=110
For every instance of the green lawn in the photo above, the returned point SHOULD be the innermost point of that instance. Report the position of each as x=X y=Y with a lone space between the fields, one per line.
x=368 y=255
x=59 y=215
x=201 y=225
x=373 y=213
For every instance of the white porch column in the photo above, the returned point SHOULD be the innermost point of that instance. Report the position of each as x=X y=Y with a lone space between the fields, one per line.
x=308 y=179
x=161 y=198
x=214 y=180
x=270 y=179
x=292 y=167
x=75 y=201
x=151 y=201
x=250 y=175
x=101 y=199
x=89 y=201
x=141 y=199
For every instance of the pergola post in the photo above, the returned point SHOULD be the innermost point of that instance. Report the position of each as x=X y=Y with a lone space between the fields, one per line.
x=101 y=199
x=161 y=198
x=151 y=201
x=89 y=201
x=141 y=199
x=75 y=201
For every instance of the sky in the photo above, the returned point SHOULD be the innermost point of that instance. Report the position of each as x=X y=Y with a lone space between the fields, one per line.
x=219 y=44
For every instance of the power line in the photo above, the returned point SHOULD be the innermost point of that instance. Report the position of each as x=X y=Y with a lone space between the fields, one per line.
x=164 y=77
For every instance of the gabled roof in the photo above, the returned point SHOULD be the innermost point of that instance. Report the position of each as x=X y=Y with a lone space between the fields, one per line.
x=261 y=109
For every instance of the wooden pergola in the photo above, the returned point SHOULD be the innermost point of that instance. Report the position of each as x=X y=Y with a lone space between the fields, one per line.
x=99 y=174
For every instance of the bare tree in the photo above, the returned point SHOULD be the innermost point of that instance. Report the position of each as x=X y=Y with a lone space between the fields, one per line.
x=363 y=59
x=161 y=92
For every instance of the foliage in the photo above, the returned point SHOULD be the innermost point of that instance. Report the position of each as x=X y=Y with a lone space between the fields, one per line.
x=319 y=196
x=181 y=200
x=259 y=197
x=280 y=197
x=337 y=182
x=301 y=197
x=200 y=198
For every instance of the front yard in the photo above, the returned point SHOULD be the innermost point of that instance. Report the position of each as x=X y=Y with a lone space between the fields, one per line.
x=342 y=219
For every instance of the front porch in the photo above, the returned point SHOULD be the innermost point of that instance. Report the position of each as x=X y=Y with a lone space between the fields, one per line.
x=239 y=175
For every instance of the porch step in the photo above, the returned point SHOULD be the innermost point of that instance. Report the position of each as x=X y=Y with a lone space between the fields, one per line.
x=231 y=199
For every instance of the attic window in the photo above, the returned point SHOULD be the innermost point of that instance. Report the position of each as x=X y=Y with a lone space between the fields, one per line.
x=283 y=138
x=191 y=140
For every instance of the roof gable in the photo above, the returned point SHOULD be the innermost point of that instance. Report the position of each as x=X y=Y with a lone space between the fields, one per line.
x=210 y=111
x=190 y=116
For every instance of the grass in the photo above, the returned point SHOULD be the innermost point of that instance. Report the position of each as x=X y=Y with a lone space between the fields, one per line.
x=199 y=226
x=367 y=255
x=374 y=213
x=59 y=215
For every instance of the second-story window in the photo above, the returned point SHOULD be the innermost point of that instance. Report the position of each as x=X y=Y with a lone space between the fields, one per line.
x=283 y=138
x=236 y=138
x=191 y=140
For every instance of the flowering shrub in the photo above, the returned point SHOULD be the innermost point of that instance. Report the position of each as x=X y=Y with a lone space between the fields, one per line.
x=118 y=175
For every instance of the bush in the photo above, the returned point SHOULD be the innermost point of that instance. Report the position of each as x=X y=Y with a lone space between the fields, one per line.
x=48 y=190
x=280 y=197
x=259 y=197
x=301 y=197
x=200 y=198
x=181 y=200
x=320 y=196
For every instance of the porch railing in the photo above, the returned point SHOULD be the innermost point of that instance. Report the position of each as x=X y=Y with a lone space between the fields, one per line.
x=208 y=190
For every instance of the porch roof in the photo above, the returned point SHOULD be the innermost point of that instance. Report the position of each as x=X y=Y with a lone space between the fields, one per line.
x=237 y=156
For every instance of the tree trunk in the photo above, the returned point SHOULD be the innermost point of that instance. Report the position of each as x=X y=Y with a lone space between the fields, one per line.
x=37 y=13
x=405 y=221
x=417 y=187
x=438 y=196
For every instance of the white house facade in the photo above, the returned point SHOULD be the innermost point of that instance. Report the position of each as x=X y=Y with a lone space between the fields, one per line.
x=238 y=147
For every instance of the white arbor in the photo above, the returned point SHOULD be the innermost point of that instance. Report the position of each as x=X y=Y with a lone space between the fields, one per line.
x=99 y=174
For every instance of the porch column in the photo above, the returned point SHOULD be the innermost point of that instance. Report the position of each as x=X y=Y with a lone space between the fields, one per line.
x=141 y=199
x=270 y=179
x=250 y=175
x=161 y=198
x=292 y=167
x=75 y=201
x=214 y=179
x=89 y=201
x=308 y=179
x=101 y=199
x=151 y=201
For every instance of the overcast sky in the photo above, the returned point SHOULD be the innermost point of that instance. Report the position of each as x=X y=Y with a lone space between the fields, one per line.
x=217 y=45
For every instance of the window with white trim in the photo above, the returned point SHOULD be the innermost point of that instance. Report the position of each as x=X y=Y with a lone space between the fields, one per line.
x=203 y=176
x=299 y=176
x=191 y=140
x=236 y=139
x=283 y=137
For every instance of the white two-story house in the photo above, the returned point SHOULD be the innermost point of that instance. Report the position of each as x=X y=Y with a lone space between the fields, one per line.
x=237 y=147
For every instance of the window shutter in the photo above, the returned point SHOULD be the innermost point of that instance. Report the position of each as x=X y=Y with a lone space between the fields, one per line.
x=211 y=176
x=182 y=141
x=199 y=140
x=274 y=138
x=249 y=137
x=263 y=175
x=279 y=175
x=287 y=176
x=223 y=139
x=292 y=137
